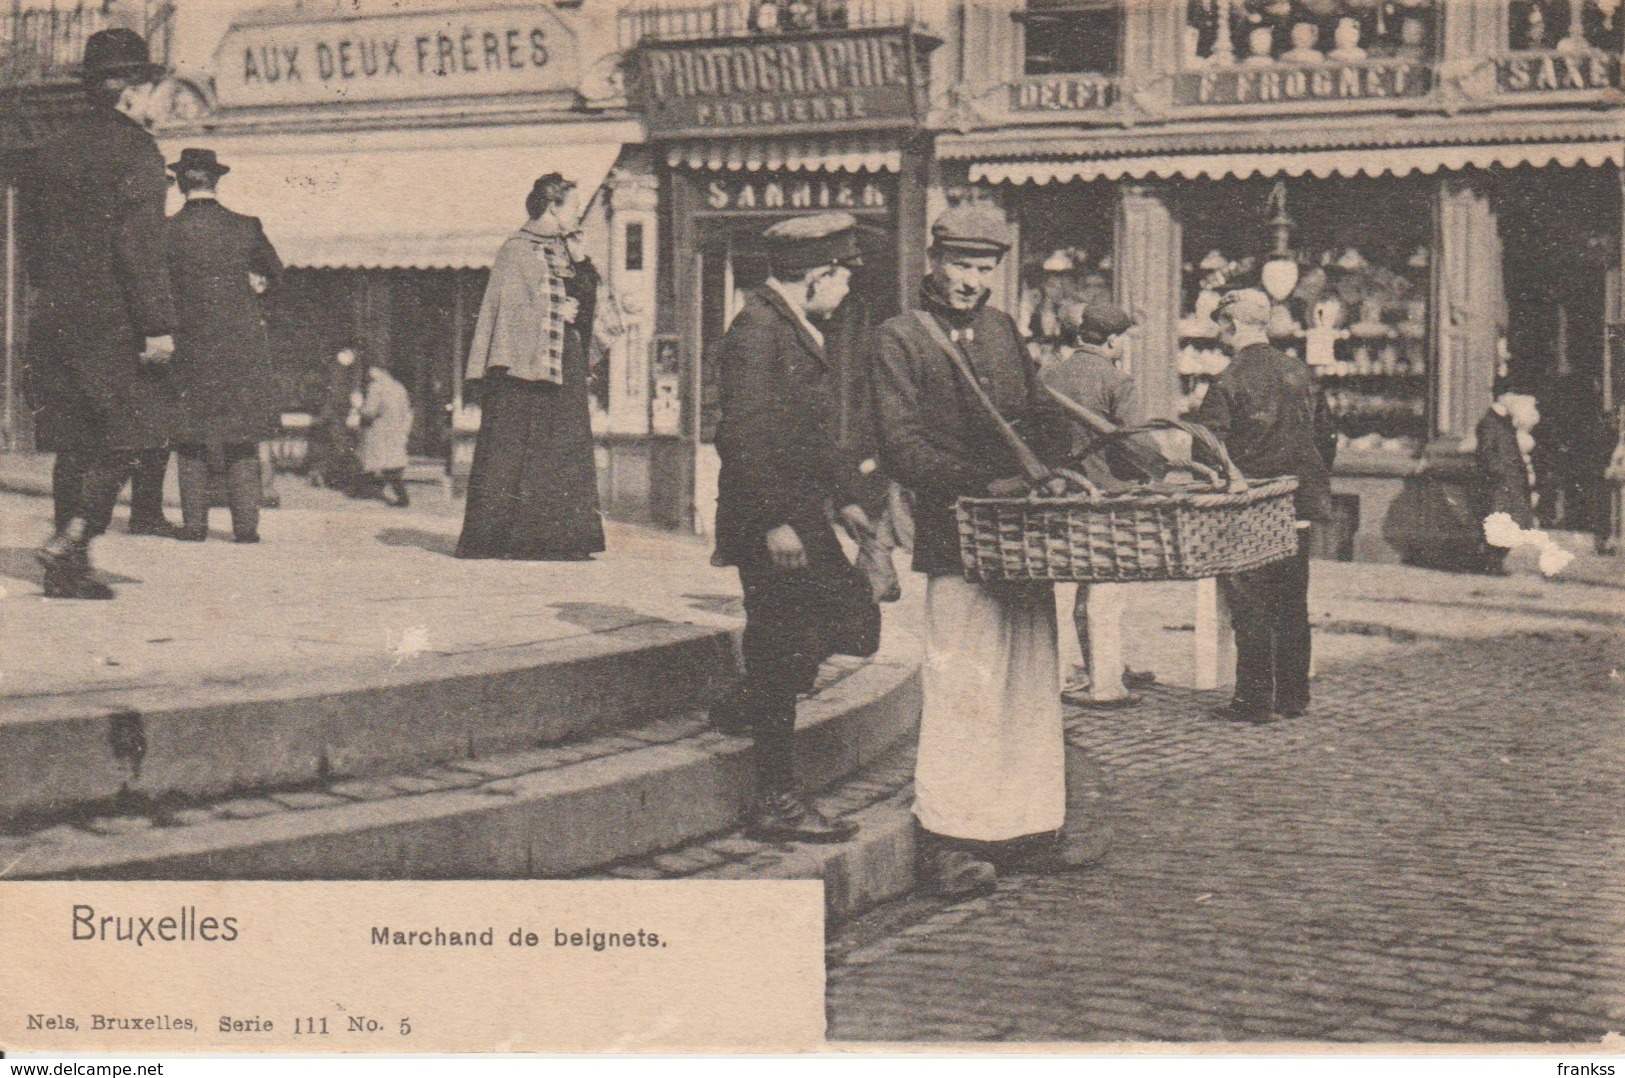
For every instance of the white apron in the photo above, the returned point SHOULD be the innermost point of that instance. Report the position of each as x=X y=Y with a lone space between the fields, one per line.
x=992 y=759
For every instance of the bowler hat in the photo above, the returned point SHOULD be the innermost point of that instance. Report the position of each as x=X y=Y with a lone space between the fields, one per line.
x=117 y=52
x=196 y=160
x=971 y=229
x=801 y=243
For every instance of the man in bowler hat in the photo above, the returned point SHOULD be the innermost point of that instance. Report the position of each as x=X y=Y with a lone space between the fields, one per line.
x=783 y=470
x=222 y=358
x=97 y=374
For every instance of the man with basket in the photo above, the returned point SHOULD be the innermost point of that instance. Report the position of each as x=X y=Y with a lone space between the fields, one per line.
x=991 y=777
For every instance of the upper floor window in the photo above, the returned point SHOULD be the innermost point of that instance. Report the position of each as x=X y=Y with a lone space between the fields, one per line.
x=1551 y=24
x=1073 y=36
x=1260 y=32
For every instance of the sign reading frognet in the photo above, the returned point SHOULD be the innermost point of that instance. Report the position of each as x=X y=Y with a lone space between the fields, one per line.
x=455 y=53
x=862 y=78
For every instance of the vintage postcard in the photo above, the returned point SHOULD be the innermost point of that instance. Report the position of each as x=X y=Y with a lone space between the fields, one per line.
x=812 y=525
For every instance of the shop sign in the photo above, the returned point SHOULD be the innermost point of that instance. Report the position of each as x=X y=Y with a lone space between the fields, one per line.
x=1556 y=72
x=789 y=194
x=1063 y=93
x=1282 y=83
x=457 y=53
x=819 y=82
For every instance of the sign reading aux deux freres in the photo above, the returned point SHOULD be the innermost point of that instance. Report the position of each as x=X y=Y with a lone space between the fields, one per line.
x=455 y=53
x=862 y=78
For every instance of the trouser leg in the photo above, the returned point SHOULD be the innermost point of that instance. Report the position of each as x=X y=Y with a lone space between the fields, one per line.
x=1252 y=616
x=67 y=484
x=243 y=487
x=104 y=477
x=192 y=469
x=775 y=667
x=1292 y=635
x=147 y=485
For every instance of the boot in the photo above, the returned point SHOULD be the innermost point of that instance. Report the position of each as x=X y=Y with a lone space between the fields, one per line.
x=949 y=869
x=785 y=817
x=67 y=570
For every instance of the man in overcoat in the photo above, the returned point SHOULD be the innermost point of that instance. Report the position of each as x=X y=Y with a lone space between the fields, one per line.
x=222 y=358
x=1506 y=474
x=1272 y=417
x=783 y=470
x=100 y=342
x=991 y=776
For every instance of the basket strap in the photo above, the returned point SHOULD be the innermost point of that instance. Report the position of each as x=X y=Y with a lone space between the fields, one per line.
x=1236 y=481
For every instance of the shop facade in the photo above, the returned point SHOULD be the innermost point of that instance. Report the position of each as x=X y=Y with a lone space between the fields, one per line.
x=1431 y=193
x=748 y=127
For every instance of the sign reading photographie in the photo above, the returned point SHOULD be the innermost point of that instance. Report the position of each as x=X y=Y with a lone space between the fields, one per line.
x=456 y=53
x=865 y=78
x=1373 y=80
x=1556 y=72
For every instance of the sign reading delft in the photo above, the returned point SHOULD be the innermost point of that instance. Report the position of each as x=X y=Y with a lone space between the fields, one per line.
x=456 y=53
x=837 y=81
x=1373 y=80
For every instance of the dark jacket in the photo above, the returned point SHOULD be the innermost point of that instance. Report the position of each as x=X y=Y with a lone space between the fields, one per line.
x=936 y=439
x=777 y=437
x=1090 y=378
x=1502 y=471
x=222 y=358
x=93 y=221
x=1272 y=417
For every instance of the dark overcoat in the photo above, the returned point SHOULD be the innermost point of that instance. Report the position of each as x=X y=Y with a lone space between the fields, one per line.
x=1503 y=475
x=1272 y=417
x=93 y=223
x=782 y=460
x=935 y=437
x=223 y=367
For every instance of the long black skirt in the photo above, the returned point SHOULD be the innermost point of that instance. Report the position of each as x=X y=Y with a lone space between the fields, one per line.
x=533 y=491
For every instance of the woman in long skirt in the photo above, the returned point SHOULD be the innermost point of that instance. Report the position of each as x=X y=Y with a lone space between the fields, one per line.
x=533 y=491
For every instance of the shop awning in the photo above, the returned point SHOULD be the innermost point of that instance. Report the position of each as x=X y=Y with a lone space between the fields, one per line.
x=1394 y=161
x=825 y=153
x=430 y=200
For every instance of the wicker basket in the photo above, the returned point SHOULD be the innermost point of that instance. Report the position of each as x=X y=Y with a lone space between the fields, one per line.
x=1136 y=536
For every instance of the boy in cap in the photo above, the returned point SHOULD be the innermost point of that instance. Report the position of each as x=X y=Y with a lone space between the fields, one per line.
x=783 y=468
x=1504 y=443
x=1273 y=419
x=991 y=777
x=1088 y=374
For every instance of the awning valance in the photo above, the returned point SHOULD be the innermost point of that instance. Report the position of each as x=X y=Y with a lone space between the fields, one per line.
x=822 y=153
x=423 y=203
x=1395 y=161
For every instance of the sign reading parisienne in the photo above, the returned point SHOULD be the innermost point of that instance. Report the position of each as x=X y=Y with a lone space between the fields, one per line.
x=397 y=57
x=865 y=78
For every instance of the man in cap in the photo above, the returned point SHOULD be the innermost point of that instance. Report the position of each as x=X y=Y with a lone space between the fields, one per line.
x=1088 y=374
x=990 y=781
x=1272 y=417
x=783 y=468
x=101 y=336
x=1503 y=448
x=222 y=357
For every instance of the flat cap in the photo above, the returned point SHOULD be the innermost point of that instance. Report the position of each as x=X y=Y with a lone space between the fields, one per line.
x=798 y=244
x=971 y=229
x=1096 y=318
x=1245 y=307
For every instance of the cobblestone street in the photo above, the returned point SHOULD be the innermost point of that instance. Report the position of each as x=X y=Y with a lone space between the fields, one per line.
x=1433 y=855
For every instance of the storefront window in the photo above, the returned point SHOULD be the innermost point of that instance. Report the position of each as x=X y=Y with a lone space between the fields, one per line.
x=1262 y=32
x=1551 y=24
x=1066 y=258
x=1357 y=312
x=1065 y=37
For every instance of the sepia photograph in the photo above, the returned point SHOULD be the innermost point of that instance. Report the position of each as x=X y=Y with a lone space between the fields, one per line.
x=839 y=525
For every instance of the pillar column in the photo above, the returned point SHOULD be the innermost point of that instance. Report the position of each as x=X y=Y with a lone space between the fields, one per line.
x=1467 y=277
x=633 y=246
x=1148 y=259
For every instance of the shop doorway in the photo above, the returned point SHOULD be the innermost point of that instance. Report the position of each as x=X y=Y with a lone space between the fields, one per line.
x=1560 y=230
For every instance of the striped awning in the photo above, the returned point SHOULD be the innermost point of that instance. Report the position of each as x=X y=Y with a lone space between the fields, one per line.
x=855 y=152
x=1390 y=161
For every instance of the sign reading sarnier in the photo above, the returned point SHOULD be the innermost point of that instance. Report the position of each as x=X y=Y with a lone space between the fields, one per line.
x=1368 y=81
x=455 y=53
x=857 y=79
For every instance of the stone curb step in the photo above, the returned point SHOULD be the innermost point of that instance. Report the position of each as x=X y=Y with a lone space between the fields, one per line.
x=548 y=812
x=100 y=746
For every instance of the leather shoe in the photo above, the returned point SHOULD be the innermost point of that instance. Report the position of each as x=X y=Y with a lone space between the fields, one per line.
x=785 y=817
x=67 y=583
x=953 y=872
x=1138 y=679
x=159 y=527
x=1132 y=699
x=247 y=537
x=192 y=533
x=1231 y=712
x=1061 y=851
x=1292 y=712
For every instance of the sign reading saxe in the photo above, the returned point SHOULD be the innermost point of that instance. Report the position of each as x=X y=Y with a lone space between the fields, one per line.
x=1373 y=80
x=864 y=78
x=1556 y=72
x=456 y=53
